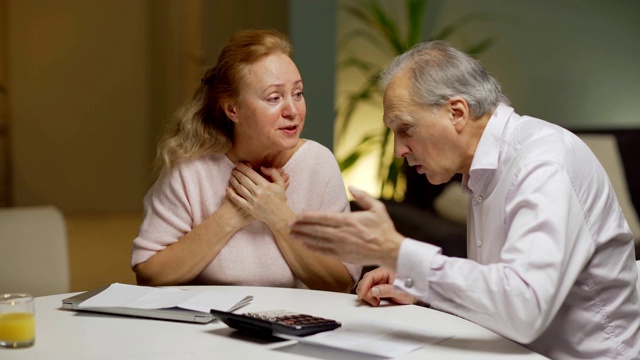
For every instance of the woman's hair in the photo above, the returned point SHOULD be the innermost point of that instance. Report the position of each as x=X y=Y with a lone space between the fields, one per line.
x=440 y=72
x=201 y=126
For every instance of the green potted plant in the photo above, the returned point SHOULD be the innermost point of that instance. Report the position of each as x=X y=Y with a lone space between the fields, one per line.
x=390 y=34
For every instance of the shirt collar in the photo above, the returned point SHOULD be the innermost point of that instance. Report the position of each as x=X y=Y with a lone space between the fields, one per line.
x=488 y=151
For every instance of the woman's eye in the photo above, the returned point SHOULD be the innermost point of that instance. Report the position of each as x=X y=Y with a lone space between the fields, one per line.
x=274 y=99
x=298 y=95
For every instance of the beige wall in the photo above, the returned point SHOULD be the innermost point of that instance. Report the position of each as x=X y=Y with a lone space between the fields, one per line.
x=5 y=156
x=80 y=99
x=221 y=18
x=94 y=82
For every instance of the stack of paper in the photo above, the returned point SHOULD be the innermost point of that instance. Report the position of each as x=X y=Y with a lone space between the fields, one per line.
x=144 y=297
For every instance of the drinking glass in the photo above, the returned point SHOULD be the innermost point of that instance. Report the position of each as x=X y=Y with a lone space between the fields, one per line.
x=17 y=320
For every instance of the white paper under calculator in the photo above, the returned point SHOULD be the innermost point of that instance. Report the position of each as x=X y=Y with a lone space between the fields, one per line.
x=380 y=338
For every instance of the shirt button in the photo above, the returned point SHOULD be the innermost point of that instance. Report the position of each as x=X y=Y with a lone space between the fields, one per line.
x=408 y=282
x=479 y=198
x=479 y=243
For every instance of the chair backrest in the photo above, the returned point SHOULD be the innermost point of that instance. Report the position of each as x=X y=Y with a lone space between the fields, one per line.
x=638 y=282
x=33 y=251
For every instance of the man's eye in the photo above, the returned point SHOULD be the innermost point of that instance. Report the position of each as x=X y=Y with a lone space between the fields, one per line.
x=404 y=130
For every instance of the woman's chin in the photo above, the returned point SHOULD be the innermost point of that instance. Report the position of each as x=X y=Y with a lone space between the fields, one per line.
x=290 y=142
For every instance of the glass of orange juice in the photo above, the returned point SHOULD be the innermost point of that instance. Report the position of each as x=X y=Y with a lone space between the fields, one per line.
x=17 y=321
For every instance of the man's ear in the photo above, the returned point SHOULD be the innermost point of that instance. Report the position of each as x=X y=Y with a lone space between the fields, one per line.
x=229 y=108
x=459 y=112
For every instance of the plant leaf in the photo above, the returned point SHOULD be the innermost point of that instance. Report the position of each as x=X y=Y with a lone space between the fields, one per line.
x=415 y=13
x=390 y=181
x=386 y=26
x=369 y=89
x=479 y=48
x=383 y=151
x=354 y=62
x=459 y=23
x=363 y=147
x=350 y=160
x=367 y=36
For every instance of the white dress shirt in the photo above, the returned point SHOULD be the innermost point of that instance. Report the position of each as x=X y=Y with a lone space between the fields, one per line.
x=551 y=258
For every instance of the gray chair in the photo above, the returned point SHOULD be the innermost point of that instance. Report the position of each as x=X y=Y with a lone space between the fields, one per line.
x=34 y=254
x=638 y=266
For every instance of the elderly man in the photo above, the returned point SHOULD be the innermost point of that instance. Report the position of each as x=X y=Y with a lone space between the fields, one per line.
x=551 y=259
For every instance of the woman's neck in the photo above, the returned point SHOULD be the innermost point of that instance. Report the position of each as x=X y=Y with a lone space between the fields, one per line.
x=256 y=159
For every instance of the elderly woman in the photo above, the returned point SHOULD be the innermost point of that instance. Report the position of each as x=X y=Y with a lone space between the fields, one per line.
x=234 y=173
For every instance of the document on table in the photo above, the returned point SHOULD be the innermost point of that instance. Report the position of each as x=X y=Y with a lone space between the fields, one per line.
x=145 y=297
x=379 y=338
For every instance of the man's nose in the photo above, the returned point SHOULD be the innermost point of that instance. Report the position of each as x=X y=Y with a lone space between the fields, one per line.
x=400 y=150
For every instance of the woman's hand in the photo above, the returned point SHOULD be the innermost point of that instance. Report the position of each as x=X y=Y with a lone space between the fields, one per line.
x=377 y=284
x=261 y=196
x=228 y=207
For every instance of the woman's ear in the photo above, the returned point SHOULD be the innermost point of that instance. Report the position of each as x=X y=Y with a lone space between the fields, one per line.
x=459 y=112
x=229 y=108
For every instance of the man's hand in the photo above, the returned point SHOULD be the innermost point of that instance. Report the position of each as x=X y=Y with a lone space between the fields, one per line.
x=362 y=237
x=377 y=284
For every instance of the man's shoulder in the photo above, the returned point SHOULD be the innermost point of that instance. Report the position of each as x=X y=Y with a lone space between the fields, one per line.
x=538 y=133
x=533 y=140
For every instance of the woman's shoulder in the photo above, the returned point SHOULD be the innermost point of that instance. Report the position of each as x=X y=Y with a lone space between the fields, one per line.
x=314 y=148
x=206 y=161
x=312 y=155
x=197 y=167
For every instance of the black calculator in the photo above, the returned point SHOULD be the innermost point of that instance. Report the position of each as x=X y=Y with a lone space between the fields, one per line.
x=270 y=323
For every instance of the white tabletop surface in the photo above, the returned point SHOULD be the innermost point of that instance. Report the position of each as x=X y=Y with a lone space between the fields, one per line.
x=66 y=334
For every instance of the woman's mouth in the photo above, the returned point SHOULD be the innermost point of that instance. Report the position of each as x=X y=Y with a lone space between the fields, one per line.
x=290 y=130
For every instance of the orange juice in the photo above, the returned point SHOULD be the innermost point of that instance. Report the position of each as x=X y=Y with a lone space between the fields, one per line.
x=17 y=327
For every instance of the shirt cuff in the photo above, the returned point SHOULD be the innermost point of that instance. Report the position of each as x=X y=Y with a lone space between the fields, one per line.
x=414 y=266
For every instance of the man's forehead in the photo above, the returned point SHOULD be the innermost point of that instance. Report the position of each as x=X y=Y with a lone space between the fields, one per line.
x=397 y=102
x=390 y=118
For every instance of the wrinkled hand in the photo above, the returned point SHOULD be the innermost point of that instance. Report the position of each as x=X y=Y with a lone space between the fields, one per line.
x=246 y=218
x=377 y=284
x=362 y=237
x=263 y=197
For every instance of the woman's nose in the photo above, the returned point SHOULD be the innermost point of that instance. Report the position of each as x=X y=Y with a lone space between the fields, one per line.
x=290 y=109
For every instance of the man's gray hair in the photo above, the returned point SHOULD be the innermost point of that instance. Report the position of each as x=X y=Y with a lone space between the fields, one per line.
x=441 y=72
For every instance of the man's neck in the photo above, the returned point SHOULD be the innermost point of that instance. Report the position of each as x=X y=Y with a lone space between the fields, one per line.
x=474 y=131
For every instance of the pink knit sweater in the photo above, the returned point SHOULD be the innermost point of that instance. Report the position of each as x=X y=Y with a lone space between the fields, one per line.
x=190 y=192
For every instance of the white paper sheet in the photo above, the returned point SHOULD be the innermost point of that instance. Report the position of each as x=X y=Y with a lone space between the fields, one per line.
x=145 y=297
x=379 y=338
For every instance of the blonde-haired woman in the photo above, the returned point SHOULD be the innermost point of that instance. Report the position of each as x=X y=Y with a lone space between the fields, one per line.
x=234 y=173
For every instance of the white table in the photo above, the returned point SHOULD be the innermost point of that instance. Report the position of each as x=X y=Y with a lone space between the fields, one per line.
x=65 y=334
